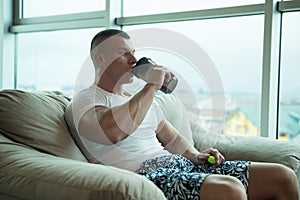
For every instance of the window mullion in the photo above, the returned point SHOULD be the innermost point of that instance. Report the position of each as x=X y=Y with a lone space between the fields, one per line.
x=62 y=18
x=270 y=73
x=192 y=15
x=91 y=23
x=93 y=19
x=288 y=6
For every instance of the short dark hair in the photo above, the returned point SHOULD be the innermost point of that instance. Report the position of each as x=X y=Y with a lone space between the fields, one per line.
x=103 y=35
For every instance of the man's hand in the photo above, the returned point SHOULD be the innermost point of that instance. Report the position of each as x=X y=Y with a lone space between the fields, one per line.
x=204 y=155
x=158 y=75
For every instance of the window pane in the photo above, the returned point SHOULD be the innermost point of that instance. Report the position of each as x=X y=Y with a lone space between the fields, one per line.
x=289 y=110
x=38 y=8
x=235 y=47
x=52 y=60
x=137 y=7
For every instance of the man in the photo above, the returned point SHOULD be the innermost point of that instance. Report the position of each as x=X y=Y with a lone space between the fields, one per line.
x=130 y=132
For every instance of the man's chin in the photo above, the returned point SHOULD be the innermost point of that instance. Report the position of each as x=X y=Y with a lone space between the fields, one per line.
x=128 y=80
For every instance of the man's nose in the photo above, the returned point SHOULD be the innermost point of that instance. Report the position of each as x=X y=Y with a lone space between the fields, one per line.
x=132 y=58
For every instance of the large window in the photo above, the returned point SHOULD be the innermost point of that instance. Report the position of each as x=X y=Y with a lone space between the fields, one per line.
x=235 y=47
x=289 y=110
x=53 y=38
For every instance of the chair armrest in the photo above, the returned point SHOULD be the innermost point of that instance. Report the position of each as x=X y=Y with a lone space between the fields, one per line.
x=253 y=149
x=28 y=174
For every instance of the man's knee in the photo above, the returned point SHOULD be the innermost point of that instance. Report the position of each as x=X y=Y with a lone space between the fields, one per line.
x=287 y=180
x=222 y=187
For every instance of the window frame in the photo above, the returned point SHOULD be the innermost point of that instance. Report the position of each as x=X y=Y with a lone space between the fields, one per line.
x=95 y=19
x=235 y=11
x=288 y=6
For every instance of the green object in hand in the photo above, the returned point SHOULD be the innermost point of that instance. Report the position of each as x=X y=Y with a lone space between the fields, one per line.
x=211 y=160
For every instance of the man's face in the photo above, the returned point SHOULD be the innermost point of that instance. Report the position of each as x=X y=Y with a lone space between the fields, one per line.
x=118 y=60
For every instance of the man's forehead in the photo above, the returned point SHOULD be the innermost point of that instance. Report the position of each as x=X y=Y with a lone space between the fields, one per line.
x=121 y=43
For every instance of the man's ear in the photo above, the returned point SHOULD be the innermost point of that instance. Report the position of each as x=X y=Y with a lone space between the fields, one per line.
x=98 y=58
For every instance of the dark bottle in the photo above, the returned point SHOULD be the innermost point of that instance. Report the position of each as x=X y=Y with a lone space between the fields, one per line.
x=143 y=66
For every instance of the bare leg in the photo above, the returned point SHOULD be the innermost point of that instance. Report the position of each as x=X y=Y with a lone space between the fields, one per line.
x=272 y=181
x=222 y=188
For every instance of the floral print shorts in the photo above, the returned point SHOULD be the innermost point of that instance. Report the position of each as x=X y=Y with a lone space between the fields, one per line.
x=179 y=178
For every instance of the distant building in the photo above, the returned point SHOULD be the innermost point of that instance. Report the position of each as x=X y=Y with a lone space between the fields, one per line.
x=289 y=121
x=242 y=122
x=245 y=121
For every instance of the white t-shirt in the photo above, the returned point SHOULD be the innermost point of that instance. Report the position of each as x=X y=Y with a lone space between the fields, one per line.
x=128 y=153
